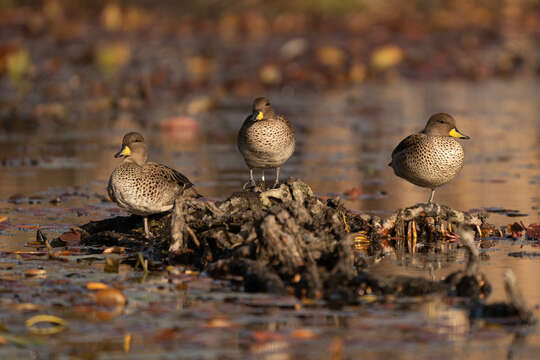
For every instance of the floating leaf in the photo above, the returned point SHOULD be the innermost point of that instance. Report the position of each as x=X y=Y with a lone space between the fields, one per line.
x=26 y=307
x=270 y=74
x=112 y=17
x=386 y=56
x=357 y=73
x=96 y=286
x=18 y=64
x=127 y=342
x=59 y=324
x=330 y=56
x=219 y=322
x=35 y=273
x=303 y=334
x=111 y=57
x=110 y=297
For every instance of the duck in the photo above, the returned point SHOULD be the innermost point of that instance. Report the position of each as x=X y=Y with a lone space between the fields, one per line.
x=266 y=139
x=431 y=157
x=142 y=187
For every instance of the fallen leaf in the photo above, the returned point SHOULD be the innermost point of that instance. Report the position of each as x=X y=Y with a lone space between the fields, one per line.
x=110 y=57
x=357 y=73
x=110 y=297
x=127 y=342
x=24 y=307
x=96 y=286
x=59 y=324
x=270 y=74
x=219 y=322
x=112 y=17
x=330 y=56
x=35 y=272
x=17 y=64
x=303 y=334
x=386 y=56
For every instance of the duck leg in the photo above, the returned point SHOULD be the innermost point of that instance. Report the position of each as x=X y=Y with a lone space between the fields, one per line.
x=277 y=177
x=147 y=232
x=430 y=201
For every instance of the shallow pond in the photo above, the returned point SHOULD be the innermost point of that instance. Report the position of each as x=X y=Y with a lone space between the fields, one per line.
x=344 y=141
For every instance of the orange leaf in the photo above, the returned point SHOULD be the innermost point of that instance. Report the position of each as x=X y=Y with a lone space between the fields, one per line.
x=303 y=334
x=96 y=286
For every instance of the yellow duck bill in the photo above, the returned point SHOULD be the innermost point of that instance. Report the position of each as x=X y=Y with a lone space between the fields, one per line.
x=125 y=151
x=457 y=134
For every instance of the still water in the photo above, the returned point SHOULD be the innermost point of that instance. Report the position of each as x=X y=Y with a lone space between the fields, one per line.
x=344 y=141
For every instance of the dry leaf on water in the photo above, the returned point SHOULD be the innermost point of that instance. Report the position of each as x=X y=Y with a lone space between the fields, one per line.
x=58 y=324
x=110 y=297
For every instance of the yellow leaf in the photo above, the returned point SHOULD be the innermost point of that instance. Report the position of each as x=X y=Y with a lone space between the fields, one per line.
x=59 y=324
x=17 y=64
x=96 y=286
x=112 y=56
x=330 y=56
x=112 y=17
x=386 y=56
x=127 y=342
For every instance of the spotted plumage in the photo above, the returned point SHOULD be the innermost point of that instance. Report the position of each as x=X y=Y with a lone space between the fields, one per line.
x=266 y=140
x=141 y=187
x=432 y=157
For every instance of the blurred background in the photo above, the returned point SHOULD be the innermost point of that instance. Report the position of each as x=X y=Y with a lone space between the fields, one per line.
x=354 y=77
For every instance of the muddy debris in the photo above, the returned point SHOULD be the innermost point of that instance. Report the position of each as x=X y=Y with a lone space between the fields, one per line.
x=286 y=240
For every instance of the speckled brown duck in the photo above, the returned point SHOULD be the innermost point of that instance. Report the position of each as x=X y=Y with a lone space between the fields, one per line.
x=141 y=187
x=432 y=157
x=266 y=140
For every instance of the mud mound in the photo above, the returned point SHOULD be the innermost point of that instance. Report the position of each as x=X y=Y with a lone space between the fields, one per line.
x=286 y=240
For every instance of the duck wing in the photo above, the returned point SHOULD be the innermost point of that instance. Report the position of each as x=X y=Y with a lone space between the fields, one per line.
x=406 y=143
x=170 y=175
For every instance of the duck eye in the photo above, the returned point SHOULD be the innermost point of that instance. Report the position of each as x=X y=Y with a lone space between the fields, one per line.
x=267 y=104
x=441 y=121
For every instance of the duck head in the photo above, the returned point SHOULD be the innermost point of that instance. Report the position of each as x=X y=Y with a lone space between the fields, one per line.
x=442 y=124
x=262 y=109
x=133 y=148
